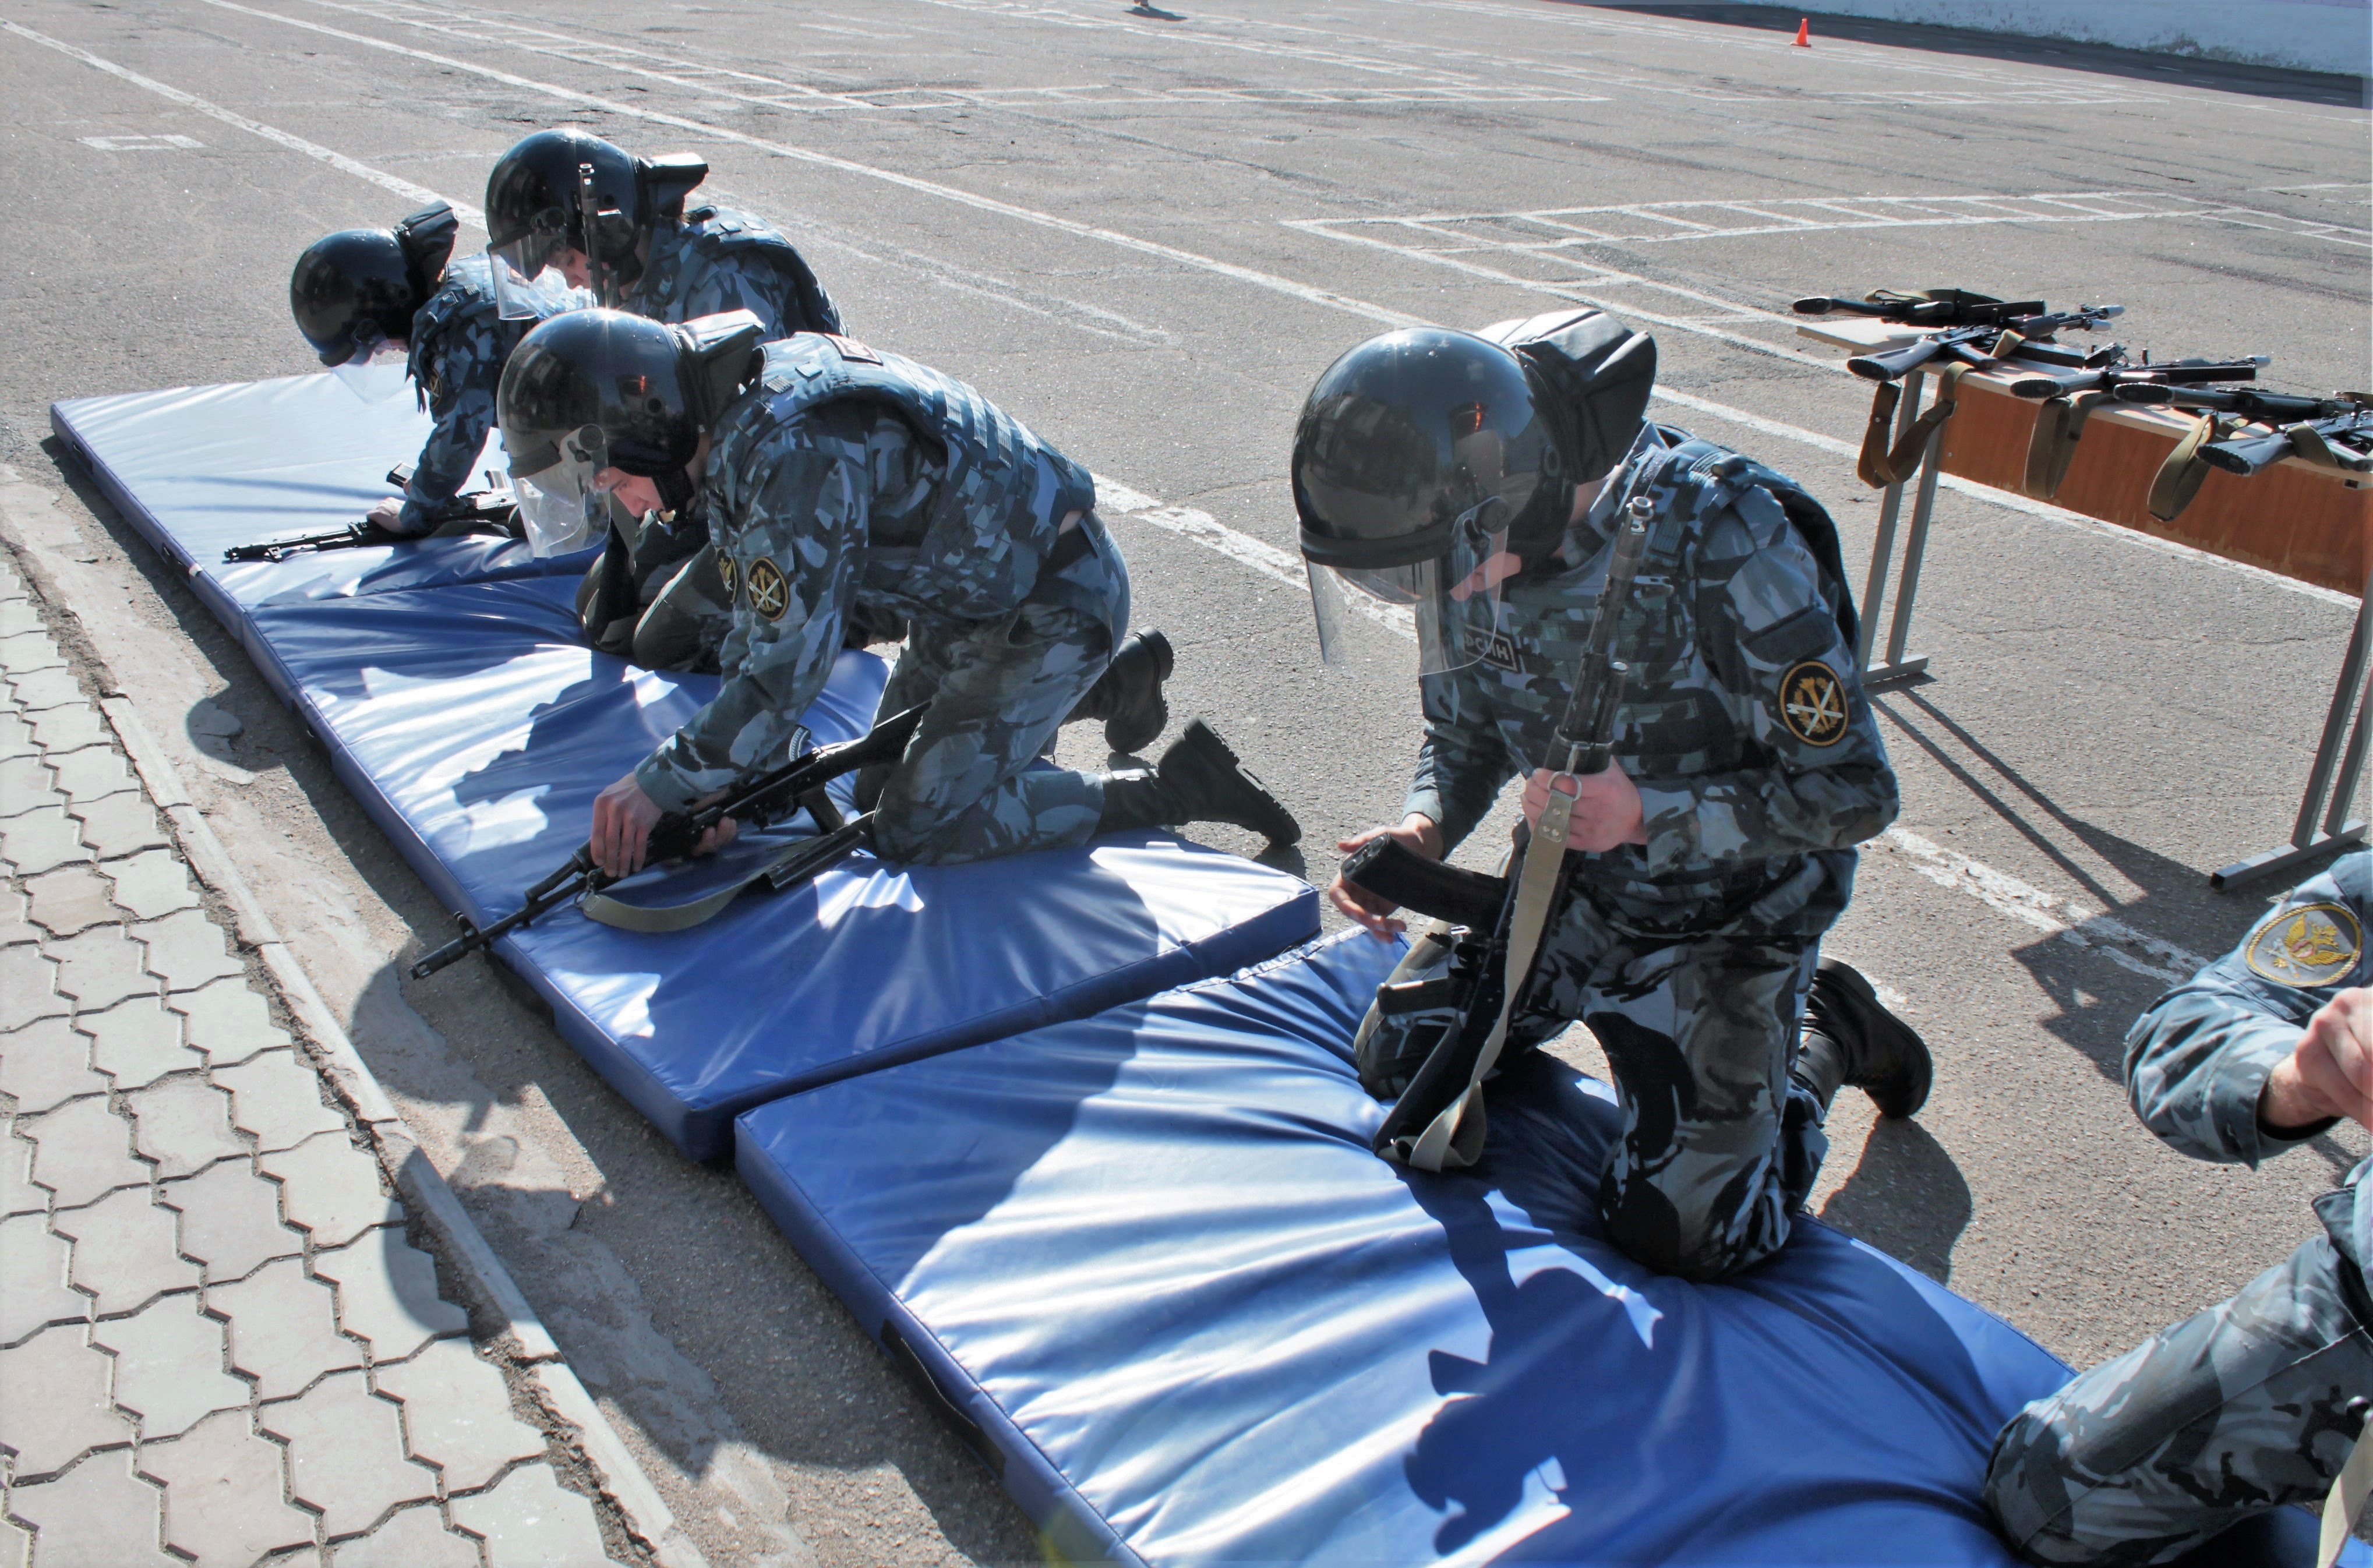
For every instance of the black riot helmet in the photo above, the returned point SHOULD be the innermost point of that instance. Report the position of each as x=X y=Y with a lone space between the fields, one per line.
x=1429 y=466
x=1416 y=454
x=543 y=191
x=359 y=288
x=596 y=389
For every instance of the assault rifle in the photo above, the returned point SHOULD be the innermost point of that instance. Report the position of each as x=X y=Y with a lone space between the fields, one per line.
x=2332 y=441
x=480 y=512
x=1981 y=343
x=1477 y=988
x=2112 y=378
x=768 y=797
x=1935 y=307
x=2240 y=403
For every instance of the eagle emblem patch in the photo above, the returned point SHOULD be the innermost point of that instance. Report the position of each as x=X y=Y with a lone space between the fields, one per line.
x=2310 y=945
x=1813 y=704
x=769 y=595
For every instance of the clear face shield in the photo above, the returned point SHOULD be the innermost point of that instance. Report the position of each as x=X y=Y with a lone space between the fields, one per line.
x=376 y=370
x=558 y=503
x=1450 y=604
x=527 y=286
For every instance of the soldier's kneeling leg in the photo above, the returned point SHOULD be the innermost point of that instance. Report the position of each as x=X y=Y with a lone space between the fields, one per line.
x=966 y=790
x=685 y=625
x=1713 y=1157
x=2240 y=1409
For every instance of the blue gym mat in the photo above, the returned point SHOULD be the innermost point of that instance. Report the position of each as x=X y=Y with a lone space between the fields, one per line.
x=1149 y=1259
x=199 y=469
x=476 y=728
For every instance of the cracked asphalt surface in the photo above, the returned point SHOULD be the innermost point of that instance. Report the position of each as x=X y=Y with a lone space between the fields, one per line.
x=1146 y=231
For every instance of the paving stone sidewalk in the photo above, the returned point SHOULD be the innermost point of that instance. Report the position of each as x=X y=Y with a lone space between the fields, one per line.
x=216 y=1345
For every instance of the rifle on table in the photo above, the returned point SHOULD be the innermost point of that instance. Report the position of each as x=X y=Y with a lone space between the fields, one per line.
x=1981 y=343
x=2112 y=378
x=480 y=512
x=768 y=797
x=1930 y=308
x=2331 y=442
x=1438 y=1120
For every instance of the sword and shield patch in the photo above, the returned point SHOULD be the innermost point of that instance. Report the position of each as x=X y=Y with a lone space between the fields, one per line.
x=1813 y=703
x=2305 y=946
x=769 y=595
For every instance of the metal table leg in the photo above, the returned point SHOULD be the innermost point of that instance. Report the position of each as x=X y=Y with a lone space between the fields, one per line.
x=1915 y=547
x=2335 y=764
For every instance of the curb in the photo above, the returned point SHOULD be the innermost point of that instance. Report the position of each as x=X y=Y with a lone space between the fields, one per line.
x=528 y=1343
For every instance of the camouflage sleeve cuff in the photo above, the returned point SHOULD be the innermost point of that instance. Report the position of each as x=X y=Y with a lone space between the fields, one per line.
x=669 y=790
x=1669 y=818
x=2238 y=1083
x=1425 y=802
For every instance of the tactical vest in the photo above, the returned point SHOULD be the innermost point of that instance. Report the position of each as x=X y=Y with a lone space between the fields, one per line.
x=714 y=232
x=1674 y=722
x=999 y=505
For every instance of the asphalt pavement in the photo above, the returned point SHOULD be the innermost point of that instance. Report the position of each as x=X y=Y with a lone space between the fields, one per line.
x=1146 y=231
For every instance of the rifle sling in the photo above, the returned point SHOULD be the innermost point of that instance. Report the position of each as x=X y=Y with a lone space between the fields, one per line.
x=2059 y=424
x=1454 y=1139
x=1880 y=464
x=2179 y=477
x=2345 y=1502
x=798 y=862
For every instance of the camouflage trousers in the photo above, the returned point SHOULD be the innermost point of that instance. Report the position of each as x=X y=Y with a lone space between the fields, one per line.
x=967 y=789
x=2238 y=1409
x=1720 y=1144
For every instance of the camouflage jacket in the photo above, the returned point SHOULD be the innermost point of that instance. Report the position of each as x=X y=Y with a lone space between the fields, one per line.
x=455 y=355
x=718 y=260
x=1743 y=723
x=822 y=499
x=2198 y=1060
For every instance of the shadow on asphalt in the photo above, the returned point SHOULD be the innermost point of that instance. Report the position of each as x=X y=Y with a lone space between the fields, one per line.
x=1905 y=1198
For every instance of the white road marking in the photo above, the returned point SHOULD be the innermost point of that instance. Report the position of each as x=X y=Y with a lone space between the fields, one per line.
x=2078 y=924
x=337 y=160
x=142 y=144
x=1564 y=230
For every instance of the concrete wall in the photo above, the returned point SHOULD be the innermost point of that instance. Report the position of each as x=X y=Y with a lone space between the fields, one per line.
x=2308 y=35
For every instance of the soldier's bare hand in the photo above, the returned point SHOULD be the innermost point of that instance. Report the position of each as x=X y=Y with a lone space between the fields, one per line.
x=1607 y=811
x=623 y=819
x=2330 y=1072
x=1369 y=910
x=384 y=514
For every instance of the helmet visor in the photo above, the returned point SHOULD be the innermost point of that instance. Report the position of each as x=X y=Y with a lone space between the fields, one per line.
x=528 y=288
x=1450 y=604
x=557 y=501
x=376 y=370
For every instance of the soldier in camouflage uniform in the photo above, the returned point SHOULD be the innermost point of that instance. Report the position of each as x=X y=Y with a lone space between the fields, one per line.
x=841 y=479
x=1716 y=851
x=650 y=254
x=394 y=296
x=2255 y=1402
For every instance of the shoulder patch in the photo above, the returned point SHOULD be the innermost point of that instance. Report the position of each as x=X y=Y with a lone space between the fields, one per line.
x=1813 y=703
x=2305 y=946
x=769 y=595
x=850 y=349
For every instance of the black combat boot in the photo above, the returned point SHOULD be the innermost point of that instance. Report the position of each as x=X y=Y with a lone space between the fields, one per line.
x=1128 y=696
x=1199 y=780
x=1850 y=1039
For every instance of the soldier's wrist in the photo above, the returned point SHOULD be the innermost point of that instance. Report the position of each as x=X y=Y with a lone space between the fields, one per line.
x=2288 y=1111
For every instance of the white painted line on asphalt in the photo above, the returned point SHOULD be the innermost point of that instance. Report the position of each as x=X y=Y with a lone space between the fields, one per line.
x=1327 y=297
x=2079 y=925
x=848 y=166
x=337 y=160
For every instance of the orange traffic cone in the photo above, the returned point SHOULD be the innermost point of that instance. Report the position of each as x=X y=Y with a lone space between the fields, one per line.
x=1804 y=32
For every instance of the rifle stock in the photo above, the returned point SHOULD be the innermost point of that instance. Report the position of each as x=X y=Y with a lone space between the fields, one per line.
x=763 y=800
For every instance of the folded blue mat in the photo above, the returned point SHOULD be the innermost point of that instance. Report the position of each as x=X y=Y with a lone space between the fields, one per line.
x=199 y=469
x=1149 y=1260
x=476 y=728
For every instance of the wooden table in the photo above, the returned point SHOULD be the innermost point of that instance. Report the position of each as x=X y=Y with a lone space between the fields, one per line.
x=2297 y=519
